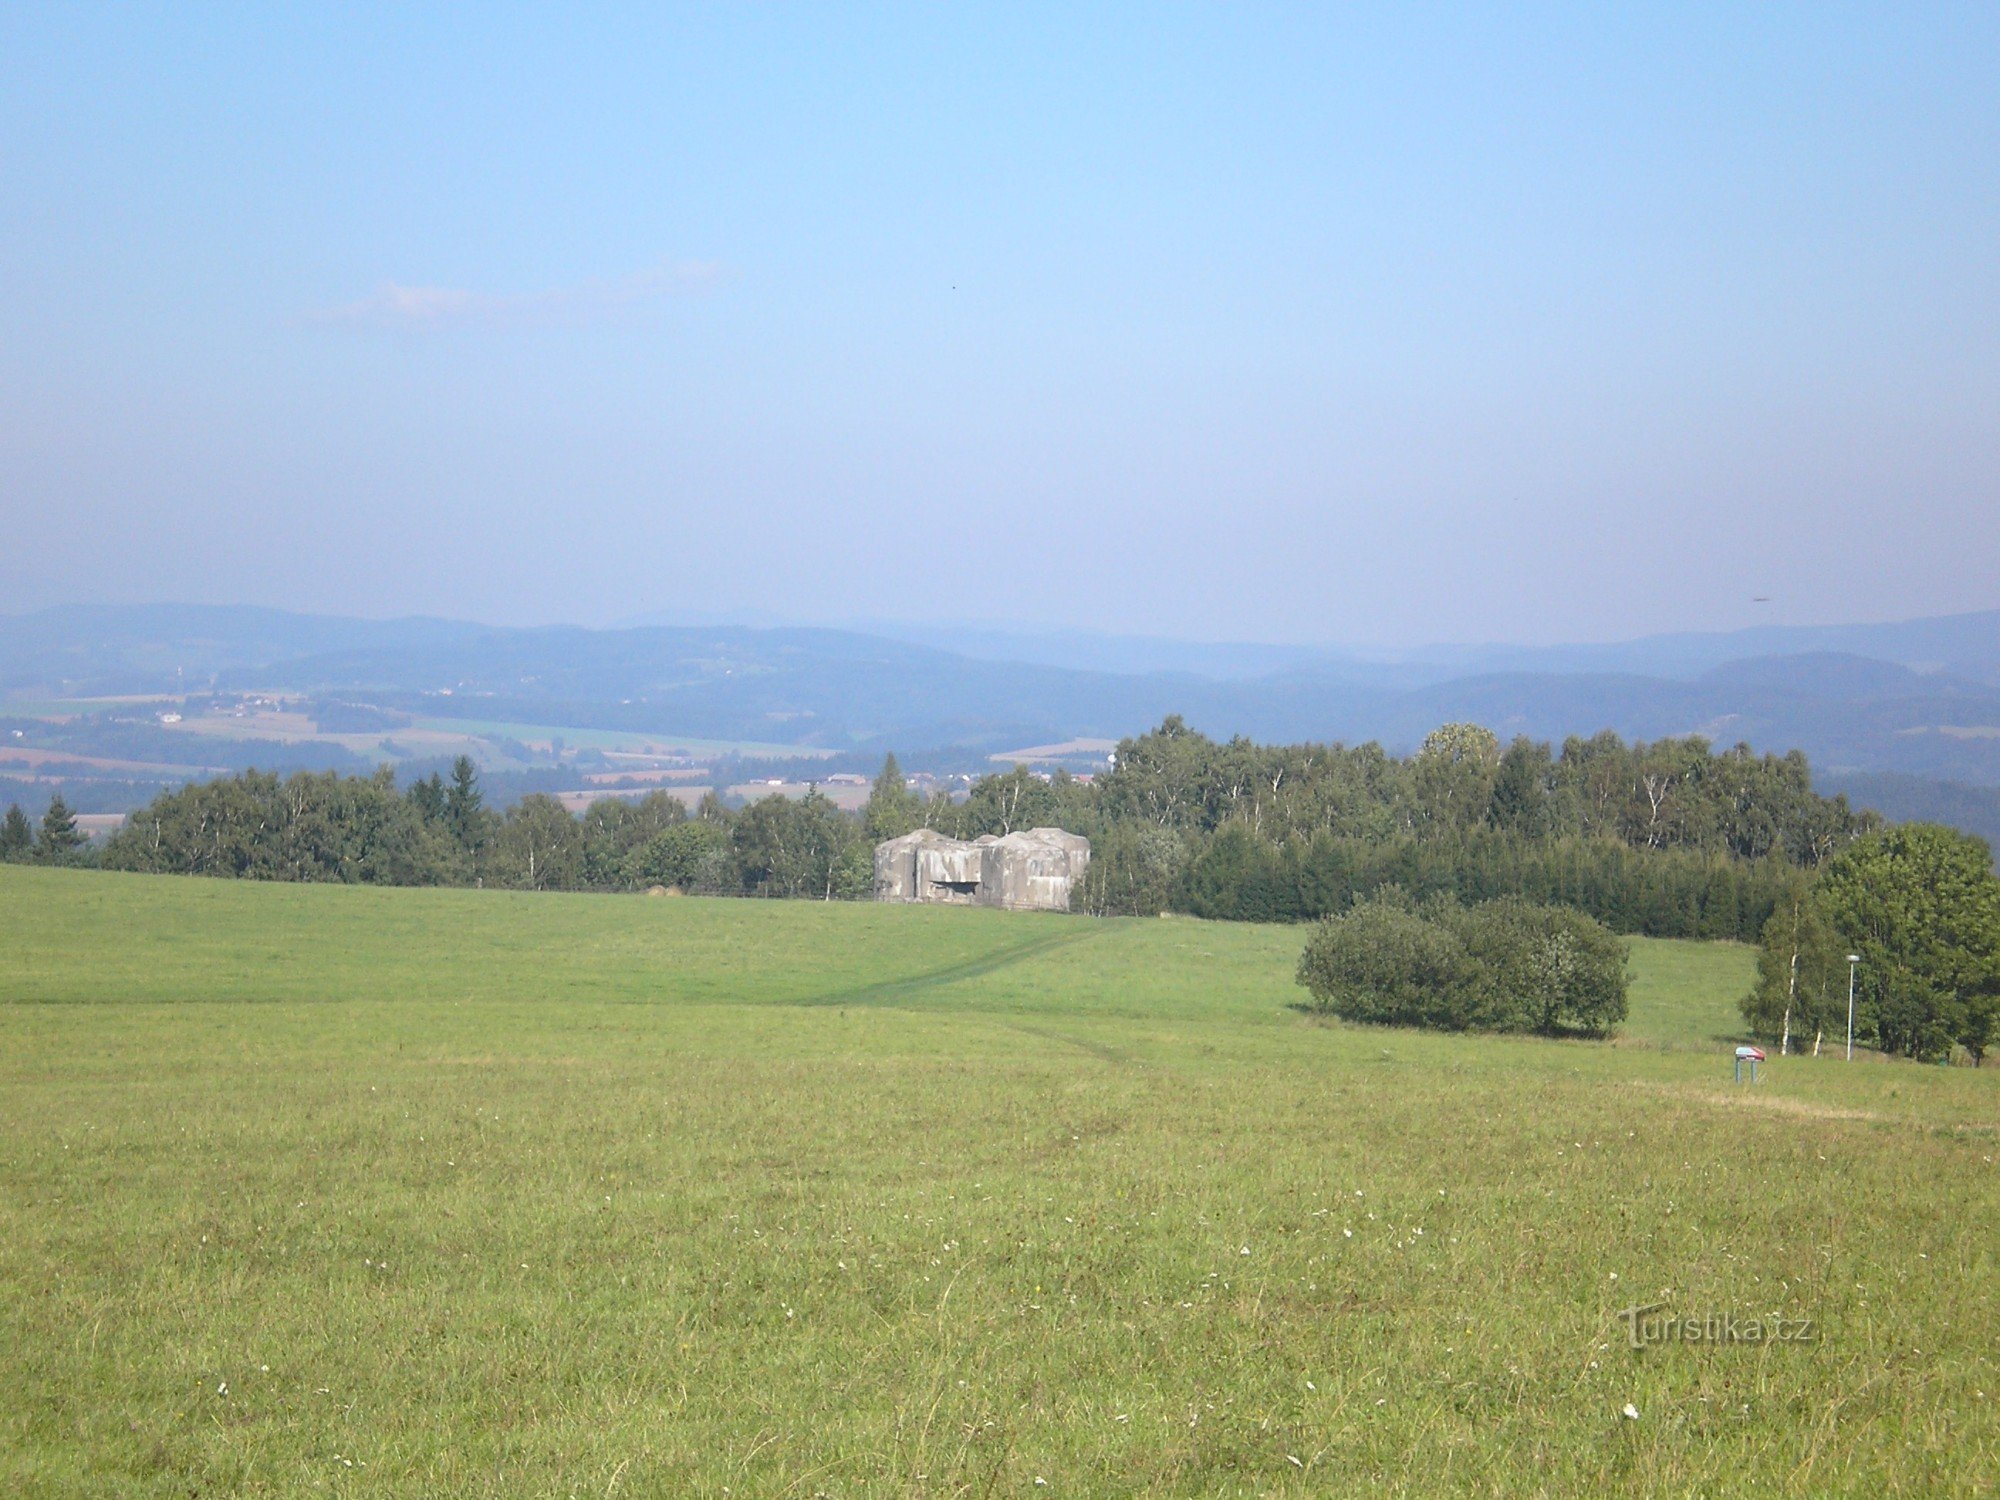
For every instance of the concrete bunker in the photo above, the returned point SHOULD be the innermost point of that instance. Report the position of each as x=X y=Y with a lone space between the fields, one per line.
x=1032 y=870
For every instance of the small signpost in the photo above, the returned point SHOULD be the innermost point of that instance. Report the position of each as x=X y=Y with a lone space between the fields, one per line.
x=1750 y=1055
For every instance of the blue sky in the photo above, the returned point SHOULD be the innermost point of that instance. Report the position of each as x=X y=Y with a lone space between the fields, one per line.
x=1350 y=324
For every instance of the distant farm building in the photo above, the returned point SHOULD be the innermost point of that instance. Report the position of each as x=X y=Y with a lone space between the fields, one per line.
x=1031 y=871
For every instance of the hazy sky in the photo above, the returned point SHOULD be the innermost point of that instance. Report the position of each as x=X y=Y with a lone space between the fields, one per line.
x=1326 y=323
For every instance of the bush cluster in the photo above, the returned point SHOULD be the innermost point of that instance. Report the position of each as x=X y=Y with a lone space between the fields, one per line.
x=1505 y=965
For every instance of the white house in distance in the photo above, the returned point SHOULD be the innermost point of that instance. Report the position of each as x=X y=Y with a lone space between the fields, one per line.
x=1028 y=871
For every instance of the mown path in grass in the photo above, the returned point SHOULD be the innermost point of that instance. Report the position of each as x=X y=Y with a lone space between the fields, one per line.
x=1031 y=943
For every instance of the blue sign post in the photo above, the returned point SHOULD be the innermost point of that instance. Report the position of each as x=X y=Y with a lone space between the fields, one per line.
x=1750 y=1055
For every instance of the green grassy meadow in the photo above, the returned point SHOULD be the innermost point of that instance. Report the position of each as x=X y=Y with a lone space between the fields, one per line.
x=347 y=1190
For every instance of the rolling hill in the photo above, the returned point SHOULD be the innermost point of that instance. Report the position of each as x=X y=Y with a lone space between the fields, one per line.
x=1919 y=699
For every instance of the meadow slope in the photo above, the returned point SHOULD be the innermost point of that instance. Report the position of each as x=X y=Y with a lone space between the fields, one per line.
x=316 y=1189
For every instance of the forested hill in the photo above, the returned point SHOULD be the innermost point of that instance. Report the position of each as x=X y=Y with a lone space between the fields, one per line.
x=1936 y=716
x=1920 y=799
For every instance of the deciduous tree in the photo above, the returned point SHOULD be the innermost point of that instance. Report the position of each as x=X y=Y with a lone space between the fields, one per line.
x=1921 y=905
x=1801 y=974
x=539 y=847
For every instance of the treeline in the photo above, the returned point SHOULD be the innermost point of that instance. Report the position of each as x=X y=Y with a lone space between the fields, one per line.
x=326 y=827
x=1670 y=838
x=57 y=842
x=1660 y=893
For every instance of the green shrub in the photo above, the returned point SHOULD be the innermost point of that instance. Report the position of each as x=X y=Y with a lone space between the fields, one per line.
x=1546 y=969
x=1385 y=964
x=1506 y=965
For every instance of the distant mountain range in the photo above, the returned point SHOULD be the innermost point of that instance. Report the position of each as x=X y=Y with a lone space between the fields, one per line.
x=1966 y=645
x=1920 y=698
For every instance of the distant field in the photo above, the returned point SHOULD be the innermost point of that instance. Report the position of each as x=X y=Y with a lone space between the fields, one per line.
x=577 y=802
x=222 y=740
x=451 y=1192
x=274 y=724
x=650 y=743
x=844 y=795
x=435 y=733
x=1095 y=750
x=44 y=760
x=69 y=708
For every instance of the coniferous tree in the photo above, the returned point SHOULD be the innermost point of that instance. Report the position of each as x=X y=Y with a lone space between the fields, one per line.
x=428 y=797
x=465 y=804
x=60 y=839
x=17 y=837
x=893 y=809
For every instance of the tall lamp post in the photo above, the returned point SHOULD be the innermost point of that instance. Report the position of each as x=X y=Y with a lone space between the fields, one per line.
x=1852 y=960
